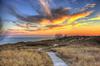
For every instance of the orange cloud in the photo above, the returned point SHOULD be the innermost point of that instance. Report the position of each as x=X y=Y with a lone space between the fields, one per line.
x=57 y=25
x=69 y=19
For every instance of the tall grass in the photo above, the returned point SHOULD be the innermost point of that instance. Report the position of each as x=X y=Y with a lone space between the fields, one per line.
x=24 y=58
x=80 y=56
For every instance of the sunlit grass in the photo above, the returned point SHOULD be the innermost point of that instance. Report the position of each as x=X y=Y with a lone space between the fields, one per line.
x=24 y=58
x=80 y=56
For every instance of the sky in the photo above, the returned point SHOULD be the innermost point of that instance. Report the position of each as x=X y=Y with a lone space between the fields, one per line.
x=50 y=17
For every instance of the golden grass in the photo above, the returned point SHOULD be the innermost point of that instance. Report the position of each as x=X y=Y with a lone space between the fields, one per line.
x=24 y=58
x=80 y=56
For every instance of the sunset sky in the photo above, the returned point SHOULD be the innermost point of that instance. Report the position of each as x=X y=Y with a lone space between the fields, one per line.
x=82 y=17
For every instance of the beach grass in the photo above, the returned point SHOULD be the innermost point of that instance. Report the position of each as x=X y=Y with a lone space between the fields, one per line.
x=28 y=57
x=80 y=55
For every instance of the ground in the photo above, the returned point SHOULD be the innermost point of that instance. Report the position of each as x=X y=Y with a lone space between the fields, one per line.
x=80 y=55
x=75 y=51
x=24 y=57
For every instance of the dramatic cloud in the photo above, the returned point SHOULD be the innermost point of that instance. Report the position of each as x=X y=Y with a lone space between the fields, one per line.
x=49 y=19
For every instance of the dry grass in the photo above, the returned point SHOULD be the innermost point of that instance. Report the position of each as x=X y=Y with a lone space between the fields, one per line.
x=24 y=58
x=80 y=56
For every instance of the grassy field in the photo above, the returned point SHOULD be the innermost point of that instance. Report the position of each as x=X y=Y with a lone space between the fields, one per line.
x=80 y=55
x=76 y=51
x=26 y=57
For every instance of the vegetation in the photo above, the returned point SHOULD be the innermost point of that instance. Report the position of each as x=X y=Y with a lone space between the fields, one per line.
x=75 y=50
x=80 y=55
x=24 y=57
